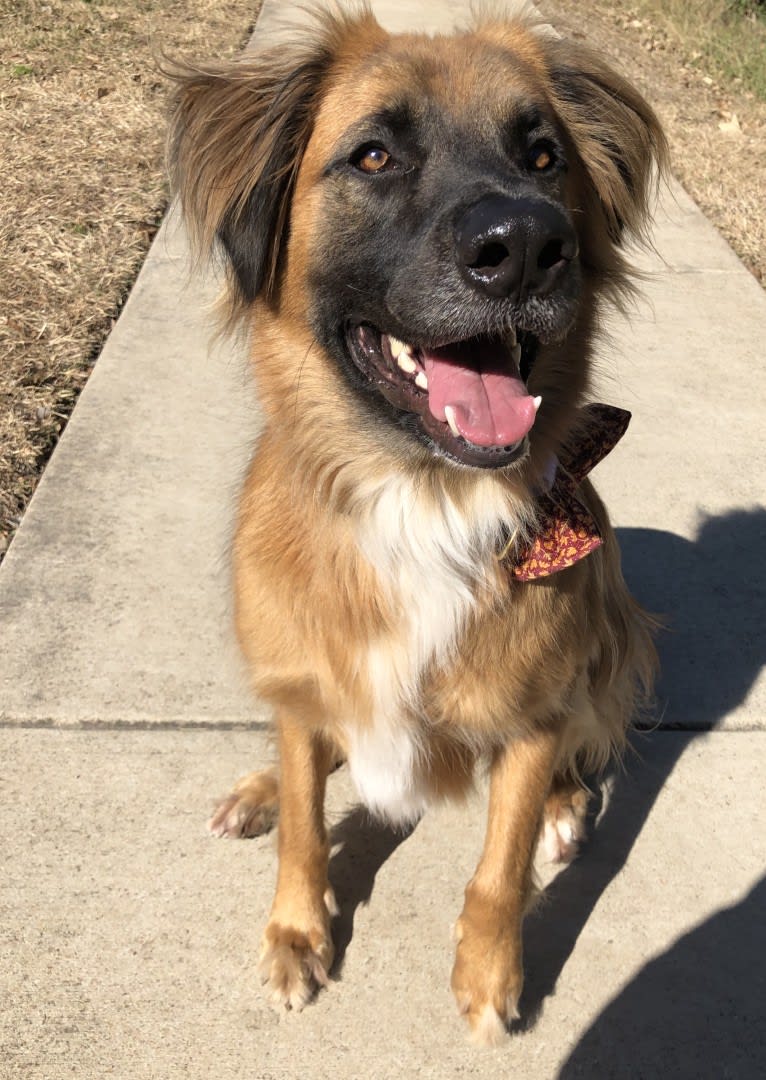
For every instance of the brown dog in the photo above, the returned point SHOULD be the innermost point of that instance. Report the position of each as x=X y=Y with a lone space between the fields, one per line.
x=420 y=236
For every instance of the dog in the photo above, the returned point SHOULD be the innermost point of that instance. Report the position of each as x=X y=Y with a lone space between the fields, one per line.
x=421 y=235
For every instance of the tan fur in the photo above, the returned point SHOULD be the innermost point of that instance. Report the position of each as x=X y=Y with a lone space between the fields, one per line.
x=517 y=679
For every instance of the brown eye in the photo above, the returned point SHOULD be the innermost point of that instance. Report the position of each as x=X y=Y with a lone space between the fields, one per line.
x=540 y=158
x=373 y=159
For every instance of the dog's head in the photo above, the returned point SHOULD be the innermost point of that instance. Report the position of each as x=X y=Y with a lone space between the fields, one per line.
x=442 y=215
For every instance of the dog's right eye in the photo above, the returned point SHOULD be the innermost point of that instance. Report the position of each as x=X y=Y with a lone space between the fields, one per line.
x=371 y=159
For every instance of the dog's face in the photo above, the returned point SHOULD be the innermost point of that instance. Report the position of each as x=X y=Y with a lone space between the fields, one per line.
x=444 y=214
x=445 y=248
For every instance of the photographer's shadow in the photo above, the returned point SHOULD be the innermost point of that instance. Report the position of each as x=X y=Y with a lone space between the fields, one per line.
x=695 y=1011
x=711 y=596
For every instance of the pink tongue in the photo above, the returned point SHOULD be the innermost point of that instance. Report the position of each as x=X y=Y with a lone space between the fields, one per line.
x=491 y=403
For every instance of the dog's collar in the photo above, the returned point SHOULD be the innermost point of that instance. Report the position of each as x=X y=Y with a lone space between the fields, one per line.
x=567 y=531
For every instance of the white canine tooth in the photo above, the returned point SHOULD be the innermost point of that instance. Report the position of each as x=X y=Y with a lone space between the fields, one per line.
x=421 y=380
x=537 y=402
x=406 y=363
x=516 y=354
x=514 y=339
x=449 y=415
x=396 y=346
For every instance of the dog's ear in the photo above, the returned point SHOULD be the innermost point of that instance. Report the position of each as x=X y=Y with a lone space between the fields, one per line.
x=616 y=133
x=238 y=132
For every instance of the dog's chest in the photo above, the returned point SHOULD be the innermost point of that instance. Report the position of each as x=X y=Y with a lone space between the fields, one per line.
x=431 y=561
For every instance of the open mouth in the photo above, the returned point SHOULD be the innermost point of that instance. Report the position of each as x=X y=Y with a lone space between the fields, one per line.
x=469 y=396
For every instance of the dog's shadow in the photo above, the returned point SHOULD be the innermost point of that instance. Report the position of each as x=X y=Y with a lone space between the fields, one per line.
x=363 y=846
x=711 y=595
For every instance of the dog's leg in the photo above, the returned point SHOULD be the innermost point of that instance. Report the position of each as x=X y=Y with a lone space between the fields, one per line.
x=251 y=808
x=487 y=976
x=297 y=947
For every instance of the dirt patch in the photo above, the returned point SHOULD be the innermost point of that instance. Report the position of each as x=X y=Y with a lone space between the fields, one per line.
x=82 y=142
x=82 y=130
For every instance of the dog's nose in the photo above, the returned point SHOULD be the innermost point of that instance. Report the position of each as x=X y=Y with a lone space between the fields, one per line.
x=514 y=246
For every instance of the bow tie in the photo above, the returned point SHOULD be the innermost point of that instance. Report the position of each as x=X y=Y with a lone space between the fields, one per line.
x=567 y=531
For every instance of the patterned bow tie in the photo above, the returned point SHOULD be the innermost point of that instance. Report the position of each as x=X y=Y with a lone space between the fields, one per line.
x=567 y=530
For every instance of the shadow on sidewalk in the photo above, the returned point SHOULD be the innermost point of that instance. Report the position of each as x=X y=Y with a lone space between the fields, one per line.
x=366 y=845
x=695 y=1012
x=711 y=594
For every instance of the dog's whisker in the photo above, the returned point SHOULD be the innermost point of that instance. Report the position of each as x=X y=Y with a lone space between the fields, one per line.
x=297 y=384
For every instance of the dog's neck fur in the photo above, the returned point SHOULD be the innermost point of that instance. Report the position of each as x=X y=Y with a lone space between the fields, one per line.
x=434 y=560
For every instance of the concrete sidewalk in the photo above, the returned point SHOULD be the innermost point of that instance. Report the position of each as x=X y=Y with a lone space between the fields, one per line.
x=127 y=937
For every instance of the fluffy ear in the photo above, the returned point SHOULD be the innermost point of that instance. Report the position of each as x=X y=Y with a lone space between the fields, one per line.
x=616 y=134
x=238 y=132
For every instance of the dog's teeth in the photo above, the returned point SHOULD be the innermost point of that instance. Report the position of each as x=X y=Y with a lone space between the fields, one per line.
x=403 y=354
x=537 y=403
x=421 y=380
x=449 y=415
x=516 y=354
x=396 y=346
x=514 y=338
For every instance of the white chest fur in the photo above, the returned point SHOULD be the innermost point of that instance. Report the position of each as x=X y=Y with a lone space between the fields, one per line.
x=429 y=556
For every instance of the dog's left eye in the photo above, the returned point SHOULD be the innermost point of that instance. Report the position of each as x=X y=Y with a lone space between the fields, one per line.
x=371 y=159
x=541 y=157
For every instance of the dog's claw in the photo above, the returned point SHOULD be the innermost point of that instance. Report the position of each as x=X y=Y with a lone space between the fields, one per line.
x=251 y=809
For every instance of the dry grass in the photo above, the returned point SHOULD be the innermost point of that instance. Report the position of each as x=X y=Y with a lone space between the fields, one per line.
x=82 y=127
x=727 y=37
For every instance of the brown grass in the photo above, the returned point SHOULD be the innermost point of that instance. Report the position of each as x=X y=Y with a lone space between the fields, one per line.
x=82 y=130
x=728 y=37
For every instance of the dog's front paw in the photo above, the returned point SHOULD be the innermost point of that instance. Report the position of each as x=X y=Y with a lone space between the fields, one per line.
x=295 y=961
x=487 y=977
